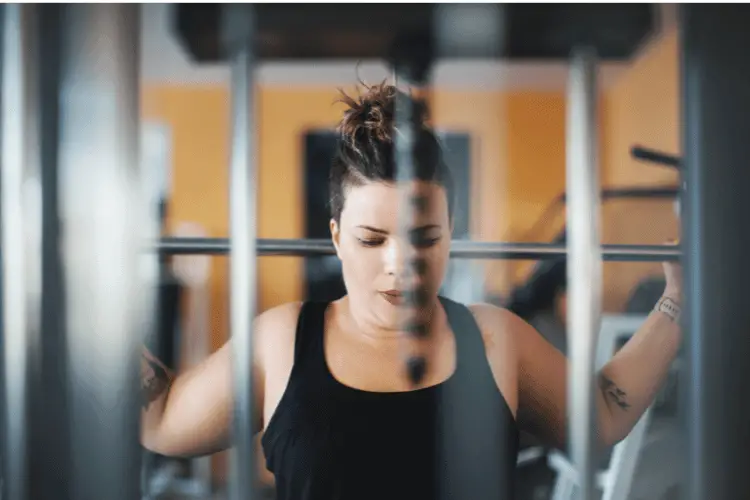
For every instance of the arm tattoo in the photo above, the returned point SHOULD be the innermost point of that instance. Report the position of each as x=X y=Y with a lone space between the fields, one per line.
x=613 y=393
x=154 y=383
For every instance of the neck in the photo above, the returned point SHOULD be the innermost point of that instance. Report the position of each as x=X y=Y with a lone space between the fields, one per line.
x=360 y=323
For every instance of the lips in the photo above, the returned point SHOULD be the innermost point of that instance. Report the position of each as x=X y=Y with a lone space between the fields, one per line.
x=395 y=297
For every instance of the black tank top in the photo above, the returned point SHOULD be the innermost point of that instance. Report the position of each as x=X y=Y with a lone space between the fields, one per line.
x=456 y=440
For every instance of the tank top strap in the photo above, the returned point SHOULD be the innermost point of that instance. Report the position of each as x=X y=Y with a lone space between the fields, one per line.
x=470 y=350
x=308 y=340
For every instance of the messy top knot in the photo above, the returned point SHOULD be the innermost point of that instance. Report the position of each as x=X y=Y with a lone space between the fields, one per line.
x=372 y=114
x=365 y=151
x=369 y=114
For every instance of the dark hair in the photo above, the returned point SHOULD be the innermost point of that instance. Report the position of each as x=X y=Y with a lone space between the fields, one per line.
x=365 y=149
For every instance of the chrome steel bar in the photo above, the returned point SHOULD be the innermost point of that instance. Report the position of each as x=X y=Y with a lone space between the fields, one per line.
x=459 y=249
x=99 y=246
x=404 y=136
x=238 y=28
x=715 y=98
x=584 y=265
x=21 y=236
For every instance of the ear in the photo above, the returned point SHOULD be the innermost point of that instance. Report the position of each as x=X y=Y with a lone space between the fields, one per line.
x=335 y=235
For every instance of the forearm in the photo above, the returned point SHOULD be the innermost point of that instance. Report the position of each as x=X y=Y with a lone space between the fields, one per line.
x=629 y=383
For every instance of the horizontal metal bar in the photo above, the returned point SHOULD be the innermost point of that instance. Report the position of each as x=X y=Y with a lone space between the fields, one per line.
x=628 y=193
x=653 y=156
x=632 y=193
x=460 y=249
x=640 y=193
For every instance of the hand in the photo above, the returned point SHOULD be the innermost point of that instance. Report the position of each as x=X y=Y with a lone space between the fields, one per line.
x=673 y=276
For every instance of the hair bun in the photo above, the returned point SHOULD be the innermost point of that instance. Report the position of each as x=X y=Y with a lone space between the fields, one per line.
x=371 y=114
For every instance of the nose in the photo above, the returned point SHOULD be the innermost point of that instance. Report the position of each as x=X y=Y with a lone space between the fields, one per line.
x=396 y=257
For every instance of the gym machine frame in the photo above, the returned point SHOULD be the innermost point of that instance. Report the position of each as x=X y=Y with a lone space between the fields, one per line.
x=715 y=104
x=91 y=275
x=77 y=285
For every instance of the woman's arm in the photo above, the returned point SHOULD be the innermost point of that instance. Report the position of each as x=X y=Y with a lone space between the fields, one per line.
x=627 y=385
x=190 y=415
x=630 y=381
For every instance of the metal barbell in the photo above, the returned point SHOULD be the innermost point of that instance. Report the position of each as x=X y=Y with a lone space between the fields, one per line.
x=460 y=249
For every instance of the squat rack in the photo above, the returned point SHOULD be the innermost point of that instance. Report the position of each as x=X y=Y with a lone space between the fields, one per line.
x=78 y=281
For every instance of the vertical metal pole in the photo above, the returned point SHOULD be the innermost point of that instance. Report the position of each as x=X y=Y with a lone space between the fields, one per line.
x=584 y=263
x=49 y=447
x=238 y=29
x=716 y=111
x=21 y=235
x=100 y=210
x=403 y=140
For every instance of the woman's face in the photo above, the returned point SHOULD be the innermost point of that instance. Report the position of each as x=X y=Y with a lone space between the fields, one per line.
x=376 y=258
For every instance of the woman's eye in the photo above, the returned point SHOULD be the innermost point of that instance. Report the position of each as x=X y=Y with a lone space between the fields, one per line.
x=421 y=240
x=417 y=240
x=425 y=242
x=370 y=242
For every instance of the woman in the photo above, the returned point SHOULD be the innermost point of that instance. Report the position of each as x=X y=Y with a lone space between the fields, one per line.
x=340 y=418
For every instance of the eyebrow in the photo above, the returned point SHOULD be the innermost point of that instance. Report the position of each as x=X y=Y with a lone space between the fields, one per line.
x=381 y=231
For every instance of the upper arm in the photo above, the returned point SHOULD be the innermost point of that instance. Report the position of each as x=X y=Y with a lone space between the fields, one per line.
x=541 y=371
x=542 y=375
x=199 y=406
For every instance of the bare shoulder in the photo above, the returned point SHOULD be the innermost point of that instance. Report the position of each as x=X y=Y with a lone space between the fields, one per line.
x=282 y=316
x=497 y=324
x=501 y=326
x=275 y=330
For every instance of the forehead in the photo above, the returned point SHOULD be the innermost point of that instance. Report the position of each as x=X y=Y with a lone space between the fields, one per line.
x=379 y=201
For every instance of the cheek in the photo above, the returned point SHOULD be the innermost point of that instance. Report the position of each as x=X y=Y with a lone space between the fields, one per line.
x=437 y=264
x=359 y=263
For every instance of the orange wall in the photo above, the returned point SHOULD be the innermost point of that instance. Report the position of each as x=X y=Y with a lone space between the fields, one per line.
x=642 y=108
x=199 y=123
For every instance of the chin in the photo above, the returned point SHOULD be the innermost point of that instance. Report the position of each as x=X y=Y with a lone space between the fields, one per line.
x=393 y=317
x=388 y=316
